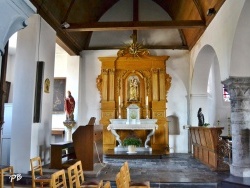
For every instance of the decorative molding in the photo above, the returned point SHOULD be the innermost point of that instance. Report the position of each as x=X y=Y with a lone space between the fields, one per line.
x=133 y=49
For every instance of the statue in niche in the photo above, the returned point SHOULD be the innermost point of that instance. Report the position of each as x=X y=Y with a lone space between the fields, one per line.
x=133 y=89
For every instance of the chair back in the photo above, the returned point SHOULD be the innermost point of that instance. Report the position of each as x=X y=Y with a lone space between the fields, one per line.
x=36 y=166
x=118 y=180
x=72 y=175
x=107 y=184
x=124 y=176
x=127 y=170
x=58 y=179
x=37 y=173
x=79 y=173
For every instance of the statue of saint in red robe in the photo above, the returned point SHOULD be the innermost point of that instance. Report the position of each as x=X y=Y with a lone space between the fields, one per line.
x=69 y=106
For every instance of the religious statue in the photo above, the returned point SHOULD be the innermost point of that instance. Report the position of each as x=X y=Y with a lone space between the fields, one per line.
x=200 y=116
x=69 y=106
x=133 y=90
x=46 y=85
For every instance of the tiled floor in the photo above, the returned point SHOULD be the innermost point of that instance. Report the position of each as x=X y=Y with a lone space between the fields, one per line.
x=174 y=170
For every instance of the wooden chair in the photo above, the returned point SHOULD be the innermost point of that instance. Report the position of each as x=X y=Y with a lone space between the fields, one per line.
x=124 y=177
x=58 y=179
x=133 y=184
x=119 y=180
x=107 y=184
x=80 y=182
x=37 y=173
x=72 y=176
x=6 y=170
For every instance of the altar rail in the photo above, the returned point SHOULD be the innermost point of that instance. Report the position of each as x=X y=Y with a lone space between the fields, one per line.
x=206 y=146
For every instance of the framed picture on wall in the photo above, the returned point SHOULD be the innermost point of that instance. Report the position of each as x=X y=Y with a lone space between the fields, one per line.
x=7 y=90
x=59 y=95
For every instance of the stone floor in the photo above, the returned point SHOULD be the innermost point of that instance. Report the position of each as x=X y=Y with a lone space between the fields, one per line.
x=174 y=170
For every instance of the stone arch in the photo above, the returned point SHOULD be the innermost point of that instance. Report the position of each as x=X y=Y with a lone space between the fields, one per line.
x=15 y=20
x=199 y=84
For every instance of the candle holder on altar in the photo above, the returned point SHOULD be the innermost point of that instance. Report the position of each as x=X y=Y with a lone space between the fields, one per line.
x=147 y=112
x=119 y=112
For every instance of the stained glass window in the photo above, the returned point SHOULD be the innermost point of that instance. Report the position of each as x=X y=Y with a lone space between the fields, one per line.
x=226 y=95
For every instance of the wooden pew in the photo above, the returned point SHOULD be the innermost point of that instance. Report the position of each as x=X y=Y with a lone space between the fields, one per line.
x=206 y=144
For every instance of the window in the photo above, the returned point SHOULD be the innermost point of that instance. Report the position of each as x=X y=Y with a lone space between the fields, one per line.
x=226 y=95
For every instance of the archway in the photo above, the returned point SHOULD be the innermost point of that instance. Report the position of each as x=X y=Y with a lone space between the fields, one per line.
x=205 y=86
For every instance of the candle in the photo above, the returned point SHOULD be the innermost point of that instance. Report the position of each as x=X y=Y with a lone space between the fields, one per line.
x=146 y=100
x=119 y=100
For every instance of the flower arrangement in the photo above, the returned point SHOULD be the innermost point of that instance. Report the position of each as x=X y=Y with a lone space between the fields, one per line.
x=132 y=141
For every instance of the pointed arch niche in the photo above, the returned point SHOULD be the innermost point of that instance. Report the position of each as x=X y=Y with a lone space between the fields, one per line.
x=134 y=80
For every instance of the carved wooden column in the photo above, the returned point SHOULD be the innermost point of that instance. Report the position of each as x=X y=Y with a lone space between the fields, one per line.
x=155 y=88
x=239 y=90
x=162 y=73
x=111 y=91
x=105 y=84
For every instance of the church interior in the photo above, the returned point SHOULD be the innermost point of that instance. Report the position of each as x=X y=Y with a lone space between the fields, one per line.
x=159 y=89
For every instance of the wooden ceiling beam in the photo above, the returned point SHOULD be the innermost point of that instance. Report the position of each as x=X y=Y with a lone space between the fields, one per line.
x=164 y=47
x=142 y=25
x=198 y=6
x=68 y=11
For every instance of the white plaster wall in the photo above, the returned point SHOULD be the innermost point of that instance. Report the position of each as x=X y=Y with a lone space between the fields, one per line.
x=148 y=10
x=219 y=35
x=67 y=66
x=177 y=106
x=240 y=65
x=59 y=72
x=90 y=68
x=31 y=139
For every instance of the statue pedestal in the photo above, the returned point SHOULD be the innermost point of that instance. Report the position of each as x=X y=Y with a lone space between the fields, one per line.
x=69 y=125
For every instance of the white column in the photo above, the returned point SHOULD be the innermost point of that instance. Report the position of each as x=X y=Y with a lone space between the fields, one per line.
x=32 y=139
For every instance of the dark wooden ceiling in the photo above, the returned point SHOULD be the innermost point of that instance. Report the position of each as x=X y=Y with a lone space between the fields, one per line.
x=190 y=17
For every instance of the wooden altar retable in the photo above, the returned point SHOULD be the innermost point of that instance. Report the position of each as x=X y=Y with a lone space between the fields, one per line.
x=134 y=80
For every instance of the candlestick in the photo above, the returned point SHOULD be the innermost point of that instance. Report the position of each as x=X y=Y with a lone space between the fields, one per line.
x=119 y=101
x=146 y=100
x=146 y=111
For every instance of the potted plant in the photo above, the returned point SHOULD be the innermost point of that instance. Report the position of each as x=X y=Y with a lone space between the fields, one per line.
x=132 y=143
x=206 y=124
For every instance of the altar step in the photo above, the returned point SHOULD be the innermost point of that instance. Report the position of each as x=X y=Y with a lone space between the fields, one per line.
x=137 y=155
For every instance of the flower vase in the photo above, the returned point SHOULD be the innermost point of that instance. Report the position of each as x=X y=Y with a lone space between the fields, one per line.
x=131 y=149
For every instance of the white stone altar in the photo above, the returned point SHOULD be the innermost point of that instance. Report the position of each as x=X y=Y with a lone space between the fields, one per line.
x=140 y=124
